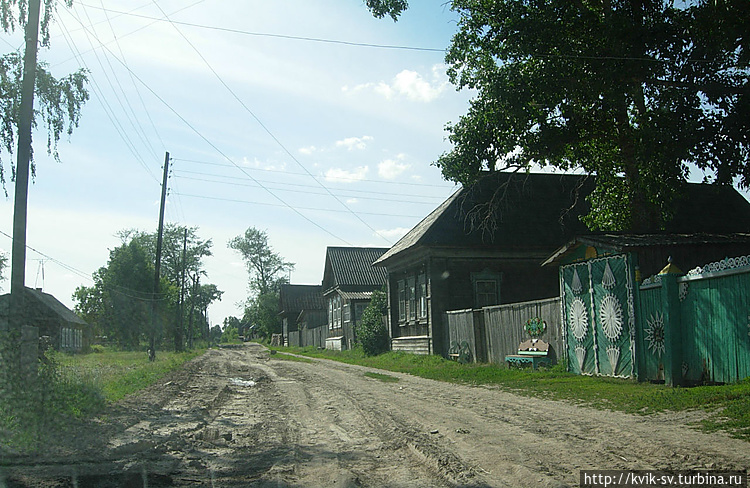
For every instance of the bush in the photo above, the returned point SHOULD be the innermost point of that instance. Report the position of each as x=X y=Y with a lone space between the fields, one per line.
x=372 y=333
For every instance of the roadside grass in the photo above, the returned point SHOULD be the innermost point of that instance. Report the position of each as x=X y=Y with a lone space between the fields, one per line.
x=728 y=406
x=385 y=378
x=120 y=373
x=76 y=387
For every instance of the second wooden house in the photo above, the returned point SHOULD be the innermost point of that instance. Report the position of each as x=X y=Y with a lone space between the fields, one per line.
x=348 y=282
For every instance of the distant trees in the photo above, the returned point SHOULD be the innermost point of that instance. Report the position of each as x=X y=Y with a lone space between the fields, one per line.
x=266 y=273
x=119 y=304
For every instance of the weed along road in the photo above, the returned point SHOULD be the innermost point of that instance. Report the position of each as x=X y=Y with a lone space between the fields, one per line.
x=239 y=416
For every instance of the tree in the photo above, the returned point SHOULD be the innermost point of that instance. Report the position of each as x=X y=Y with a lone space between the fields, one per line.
x=58 y=102
x=119 y=303
x=372 y=333
x=632 y=91
x=264 y=266
x=266 y=270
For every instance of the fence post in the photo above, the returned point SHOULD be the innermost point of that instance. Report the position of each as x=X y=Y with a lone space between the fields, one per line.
x=672 y=326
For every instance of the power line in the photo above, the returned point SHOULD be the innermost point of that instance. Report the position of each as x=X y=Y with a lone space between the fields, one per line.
x=388 y=182
x=300 y=185
x=266 y=204
x=277 y=36
x=208 y=141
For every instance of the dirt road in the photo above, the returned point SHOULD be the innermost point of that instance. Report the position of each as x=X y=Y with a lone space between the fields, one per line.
x=242 y=417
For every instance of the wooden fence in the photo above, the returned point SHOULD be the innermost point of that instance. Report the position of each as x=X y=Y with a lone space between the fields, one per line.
x=494 y=332
x=696 y=328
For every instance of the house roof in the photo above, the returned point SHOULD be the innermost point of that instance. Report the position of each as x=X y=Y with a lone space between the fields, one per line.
x=295 y=298
x=350 y=269
x=539 y=211
x=535 y=211
x=616 y=243
x=35 y=297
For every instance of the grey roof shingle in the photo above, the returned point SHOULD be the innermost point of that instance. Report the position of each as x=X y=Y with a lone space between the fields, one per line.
x=350 y=268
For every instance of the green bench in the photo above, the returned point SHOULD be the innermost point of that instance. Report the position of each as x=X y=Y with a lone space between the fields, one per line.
x=532 y=351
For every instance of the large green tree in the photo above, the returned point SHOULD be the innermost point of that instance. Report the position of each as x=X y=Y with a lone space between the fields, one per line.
x=58 y=101
x=119 y=303
x=266 y=273
x=635 y=92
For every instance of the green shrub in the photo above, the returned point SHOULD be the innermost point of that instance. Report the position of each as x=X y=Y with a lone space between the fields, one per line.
x=372 y=333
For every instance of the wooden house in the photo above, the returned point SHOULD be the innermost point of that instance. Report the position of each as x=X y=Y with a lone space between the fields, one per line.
x=301 y=307
x=348 y=282
x=445 y=264
x=66 y=330
x=448 y=263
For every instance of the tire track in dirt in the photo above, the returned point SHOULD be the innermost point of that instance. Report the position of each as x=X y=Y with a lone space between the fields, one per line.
x=242 y=417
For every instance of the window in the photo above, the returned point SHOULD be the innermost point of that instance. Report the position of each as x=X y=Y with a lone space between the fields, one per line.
x=486 y=285
x=412 y=291
x=347 y=313
x=401 y=301
x=486 y=293
x=330 y=313
x=422 y=292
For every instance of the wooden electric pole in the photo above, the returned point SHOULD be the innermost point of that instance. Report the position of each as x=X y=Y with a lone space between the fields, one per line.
x=25 y=120
x=157 y=266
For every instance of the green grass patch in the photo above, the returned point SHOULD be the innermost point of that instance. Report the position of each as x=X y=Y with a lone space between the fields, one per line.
x=728 y=405
x=120 y=373
x=289 y=357
x=385 y=378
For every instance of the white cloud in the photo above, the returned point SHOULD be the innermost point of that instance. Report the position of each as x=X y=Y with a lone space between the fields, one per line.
x=352 y=143
x=390 y=169
x=352 y=201
x=409 y=84
x=307 y=150
x=340 y=175
x=258 y=164
x=394 y=234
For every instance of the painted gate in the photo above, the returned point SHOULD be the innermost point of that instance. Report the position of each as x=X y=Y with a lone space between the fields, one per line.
x=599 y=316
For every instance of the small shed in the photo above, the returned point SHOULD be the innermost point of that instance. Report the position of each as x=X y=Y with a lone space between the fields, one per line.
x=66 y=330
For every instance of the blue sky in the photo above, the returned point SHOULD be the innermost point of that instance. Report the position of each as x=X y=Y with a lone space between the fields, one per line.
x=319 y=143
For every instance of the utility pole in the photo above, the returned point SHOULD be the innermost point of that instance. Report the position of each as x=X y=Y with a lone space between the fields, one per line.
x=20 y=207
x=154 y=306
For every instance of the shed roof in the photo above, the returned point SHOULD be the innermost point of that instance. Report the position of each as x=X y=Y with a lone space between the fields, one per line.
x=350 y=269
x=36 y=298
x=614 y=242
x=295 y=298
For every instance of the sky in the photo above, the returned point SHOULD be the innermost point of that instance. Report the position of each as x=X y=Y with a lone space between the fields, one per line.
x=313 y=121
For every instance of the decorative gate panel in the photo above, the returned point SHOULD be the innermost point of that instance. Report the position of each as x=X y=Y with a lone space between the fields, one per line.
x=599 y=316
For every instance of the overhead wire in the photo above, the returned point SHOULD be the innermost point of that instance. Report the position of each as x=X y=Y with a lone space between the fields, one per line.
x=354 y=193
x=283 y=36
x=388 y=182
x=211 y=144
x=268 y=131
x=99 y=93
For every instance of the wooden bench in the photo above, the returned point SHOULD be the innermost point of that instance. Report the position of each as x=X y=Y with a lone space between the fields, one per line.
x=533 y=351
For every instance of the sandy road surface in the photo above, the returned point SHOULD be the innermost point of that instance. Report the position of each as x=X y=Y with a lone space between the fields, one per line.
x=241 y=417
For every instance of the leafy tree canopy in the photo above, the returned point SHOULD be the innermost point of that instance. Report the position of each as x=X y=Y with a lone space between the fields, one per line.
x=632 y=91
x=265 y=267
x=58 y=101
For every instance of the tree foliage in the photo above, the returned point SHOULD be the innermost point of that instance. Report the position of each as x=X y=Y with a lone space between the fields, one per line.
x=265 y=267
x=392 y=8
x=119 y=304
x=58 y=101
x=266 y=273
x=632 y=91
x=372 y=333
